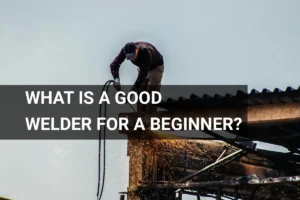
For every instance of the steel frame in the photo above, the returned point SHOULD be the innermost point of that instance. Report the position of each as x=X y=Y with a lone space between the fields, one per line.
x=184 y=183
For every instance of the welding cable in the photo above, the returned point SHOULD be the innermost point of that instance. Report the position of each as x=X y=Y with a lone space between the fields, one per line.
x=99 y=150
x=106 y=86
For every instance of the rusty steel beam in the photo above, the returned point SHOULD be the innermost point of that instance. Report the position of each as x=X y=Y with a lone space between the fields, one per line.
x=215 y=175
x=283 y=160
x=234 y=168
x=189 y=177
x=233 y=183
x=248 y=194
x=179 y=160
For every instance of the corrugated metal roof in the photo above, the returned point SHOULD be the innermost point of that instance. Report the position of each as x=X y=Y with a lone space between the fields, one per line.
x=241 y=98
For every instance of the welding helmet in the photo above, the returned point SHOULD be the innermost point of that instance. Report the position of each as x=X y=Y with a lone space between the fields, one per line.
x=129 y=50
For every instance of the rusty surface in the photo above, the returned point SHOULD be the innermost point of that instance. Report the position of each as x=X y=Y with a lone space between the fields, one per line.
x=155 y=159
x=258 y=182
x=236 y=168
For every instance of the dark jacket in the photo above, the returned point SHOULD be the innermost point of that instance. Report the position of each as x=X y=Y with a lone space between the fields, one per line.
x=148 y=58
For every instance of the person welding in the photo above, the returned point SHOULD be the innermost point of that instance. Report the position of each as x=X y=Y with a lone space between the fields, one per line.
x=150 y=67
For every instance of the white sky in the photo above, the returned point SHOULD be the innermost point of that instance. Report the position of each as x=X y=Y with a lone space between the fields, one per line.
x=73 y=42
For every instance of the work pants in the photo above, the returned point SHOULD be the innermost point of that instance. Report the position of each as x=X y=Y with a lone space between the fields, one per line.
x=152 y=83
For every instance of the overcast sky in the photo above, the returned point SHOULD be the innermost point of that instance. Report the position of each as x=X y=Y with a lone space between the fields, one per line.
x=73 y=42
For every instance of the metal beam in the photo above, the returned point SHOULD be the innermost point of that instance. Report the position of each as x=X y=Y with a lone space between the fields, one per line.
x=222 y=153
x=232 y=183
x=209 y=166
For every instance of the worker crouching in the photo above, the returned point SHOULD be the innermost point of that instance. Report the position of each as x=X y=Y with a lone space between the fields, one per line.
x=150 y=67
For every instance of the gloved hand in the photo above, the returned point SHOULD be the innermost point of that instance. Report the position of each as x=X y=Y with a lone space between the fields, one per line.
x=117 y=84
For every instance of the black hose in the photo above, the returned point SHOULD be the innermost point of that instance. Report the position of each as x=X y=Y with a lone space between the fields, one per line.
x=106 y=86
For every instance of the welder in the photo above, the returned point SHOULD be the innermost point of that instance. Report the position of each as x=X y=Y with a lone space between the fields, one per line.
x=150 y=66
